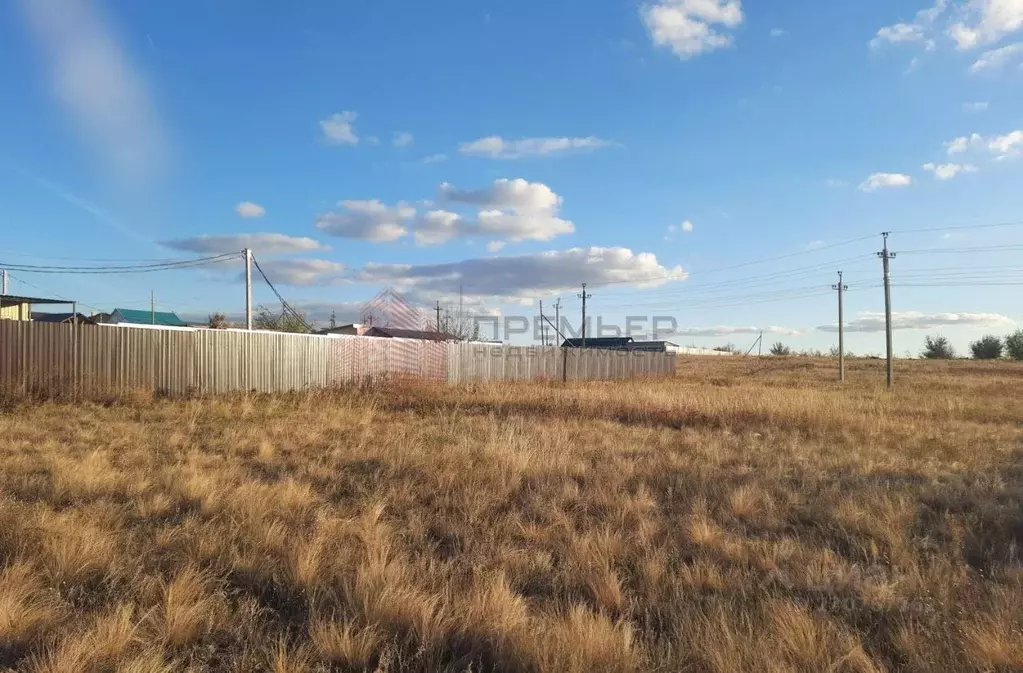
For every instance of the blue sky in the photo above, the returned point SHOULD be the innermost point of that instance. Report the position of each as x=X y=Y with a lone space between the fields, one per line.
x=517 y=150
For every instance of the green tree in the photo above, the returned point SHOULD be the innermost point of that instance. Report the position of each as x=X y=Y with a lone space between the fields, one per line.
x=1014 y=345
x=781 y=350
x=280 y=321
x=987 y=348
x=938 y=348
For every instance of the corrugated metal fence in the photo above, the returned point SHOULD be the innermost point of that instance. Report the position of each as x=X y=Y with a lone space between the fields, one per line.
x=54 y=358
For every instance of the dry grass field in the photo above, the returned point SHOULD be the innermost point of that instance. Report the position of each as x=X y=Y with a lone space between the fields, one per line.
x=748 y=515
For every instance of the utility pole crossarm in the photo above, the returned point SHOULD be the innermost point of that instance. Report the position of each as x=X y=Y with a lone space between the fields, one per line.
x=584 y=296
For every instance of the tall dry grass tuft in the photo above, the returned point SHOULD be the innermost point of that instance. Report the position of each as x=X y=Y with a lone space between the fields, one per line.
x=748 y=515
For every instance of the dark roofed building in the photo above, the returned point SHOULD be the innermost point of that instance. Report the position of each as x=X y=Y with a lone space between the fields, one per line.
x=396 y=333
x=62 y=318
x=602 y=343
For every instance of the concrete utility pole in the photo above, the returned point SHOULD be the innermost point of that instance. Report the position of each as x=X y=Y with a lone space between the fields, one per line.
x=841 y=328
x=3 y=281
x=584 y=297
x=152 y=307
x=438 y=315
x=885 y=258
x=543 y=327
x=248 y=288
x=557 y=317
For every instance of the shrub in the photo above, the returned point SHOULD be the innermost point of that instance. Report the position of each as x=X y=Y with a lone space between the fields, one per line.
x=938 y=348
x=1014 y=345
x=780 y=349
x=987 y=348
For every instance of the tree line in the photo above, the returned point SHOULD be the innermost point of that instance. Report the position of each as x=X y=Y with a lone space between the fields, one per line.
x=988 y=347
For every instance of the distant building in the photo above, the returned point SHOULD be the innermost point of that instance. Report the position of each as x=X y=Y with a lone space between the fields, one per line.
x=601 y=343
x=352 y=329
x=62 y=318
x=396 y=333
x=13 y=307
x=127 y=316
x=654 y=347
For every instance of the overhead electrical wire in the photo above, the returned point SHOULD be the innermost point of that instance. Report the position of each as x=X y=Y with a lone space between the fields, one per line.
x=287 y=307
x=138 y=268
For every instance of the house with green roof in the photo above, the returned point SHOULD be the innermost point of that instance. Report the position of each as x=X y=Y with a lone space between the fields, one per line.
x=127 y=316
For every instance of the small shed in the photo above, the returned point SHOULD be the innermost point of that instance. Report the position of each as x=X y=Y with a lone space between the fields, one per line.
x=15 y=307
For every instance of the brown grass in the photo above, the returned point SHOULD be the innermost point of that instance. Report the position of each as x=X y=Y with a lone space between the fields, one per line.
x=748 y=515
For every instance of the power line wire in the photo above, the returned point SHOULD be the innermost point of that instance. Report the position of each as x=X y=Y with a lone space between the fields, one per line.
x=957 y=228
x=284 y=303
x=142 y=268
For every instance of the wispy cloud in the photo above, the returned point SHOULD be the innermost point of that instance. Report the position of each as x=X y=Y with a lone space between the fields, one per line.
x=497 y=147
x=878 y=181
x=339 y=128
x=105 y=97
x=249 y=209
x=95 y=211
x=873 y=321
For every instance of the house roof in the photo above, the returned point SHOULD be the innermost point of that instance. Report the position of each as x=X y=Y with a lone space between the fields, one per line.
x=395 y=333
x=609 y=343
x=61 y=317
x=165 y=318
x=13 y=300
x=651 y=345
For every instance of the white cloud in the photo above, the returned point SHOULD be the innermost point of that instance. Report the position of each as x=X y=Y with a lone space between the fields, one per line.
x=267 y=244
x=980 y=106
x=93 y=77
x=515 y=210
x=778 y=32
x=524 y=276
x=916 y=31
x=997 y=58
x=435 y=159
x=673 y=229
x=402 y=139
x=344 y=312
x=367 y=220
x=518 y=194
x=966 y=23
x=249 y=209
x=878 y=181
x=338 y=129
x=729 y=330
x=871 y=321
x=691 y=27
x=985 y=21
x=835 y=183
x=949 y=171
x=1002 y=147
x=497 y=147
x=495 y=246
x=304 y=272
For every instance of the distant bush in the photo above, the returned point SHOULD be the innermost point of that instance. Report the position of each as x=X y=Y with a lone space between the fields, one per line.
x=938 y=348
x=781 y=349
x=987 y=348
x=1014 y=345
